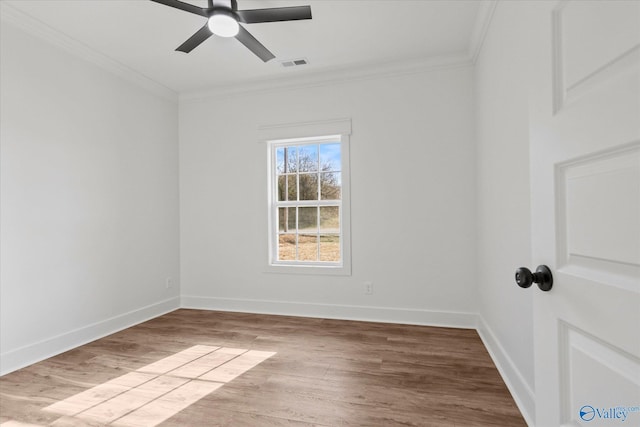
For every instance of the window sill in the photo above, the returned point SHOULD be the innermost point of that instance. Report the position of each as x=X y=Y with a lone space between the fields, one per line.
x=312 y=270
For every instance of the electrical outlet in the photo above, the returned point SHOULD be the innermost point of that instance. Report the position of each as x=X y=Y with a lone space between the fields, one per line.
x=368 y=288
x=168 y=283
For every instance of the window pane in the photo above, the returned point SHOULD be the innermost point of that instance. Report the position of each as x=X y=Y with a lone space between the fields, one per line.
x=280 y=160
x=308 y=220
x=281 y=188
x=287 y=185
x=330 y=186
x=291 y=159
x=308 y=186
x=330 y=248
x=329 y=219
x=330 y=157
x=307 y=247
x=286 y=219
x=308 y=156
x=287 y=247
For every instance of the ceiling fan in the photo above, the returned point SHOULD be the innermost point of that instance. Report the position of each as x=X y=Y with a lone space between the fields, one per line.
x=223 y=18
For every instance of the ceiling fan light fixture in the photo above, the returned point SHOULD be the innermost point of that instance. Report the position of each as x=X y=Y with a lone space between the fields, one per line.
x=223 y=23
x=223 y=20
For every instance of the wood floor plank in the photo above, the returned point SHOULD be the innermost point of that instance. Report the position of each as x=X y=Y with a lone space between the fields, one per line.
x=288 y=371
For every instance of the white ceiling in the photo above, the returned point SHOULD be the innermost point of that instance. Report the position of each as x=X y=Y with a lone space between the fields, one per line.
x=344 y=34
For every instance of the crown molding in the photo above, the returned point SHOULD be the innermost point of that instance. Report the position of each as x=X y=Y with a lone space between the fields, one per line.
x=35 y=27
x=481 y=27
x=332 y=77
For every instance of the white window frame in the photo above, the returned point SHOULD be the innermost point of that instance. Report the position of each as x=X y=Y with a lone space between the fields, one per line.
x=300 y=134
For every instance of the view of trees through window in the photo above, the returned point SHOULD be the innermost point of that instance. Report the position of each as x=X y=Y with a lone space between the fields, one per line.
x=308 y=202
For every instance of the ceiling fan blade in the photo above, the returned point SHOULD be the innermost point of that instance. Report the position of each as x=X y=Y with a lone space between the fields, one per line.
x=184 y=6
x=254 y=45
x=275 y=14
x=194 y=41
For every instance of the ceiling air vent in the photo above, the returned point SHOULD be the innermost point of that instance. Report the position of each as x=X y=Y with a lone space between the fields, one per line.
x=294 y=62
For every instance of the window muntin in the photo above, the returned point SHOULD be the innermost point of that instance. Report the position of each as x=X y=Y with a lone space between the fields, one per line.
x=306 y=202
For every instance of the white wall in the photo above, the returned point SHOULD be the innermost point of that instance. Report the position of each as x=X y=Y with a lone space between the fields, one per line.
x=89 y=201
x=412 y=208
x=504 y=222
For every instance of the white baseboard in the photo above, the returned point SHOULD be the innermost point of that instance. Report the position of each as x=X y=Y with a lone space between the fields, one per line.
x=24 y=356
x=522 y=393
x=334 y=311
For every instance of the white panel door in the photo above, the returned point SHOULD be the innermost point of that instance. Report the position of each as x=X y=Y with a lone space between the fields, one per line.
x=585 y=179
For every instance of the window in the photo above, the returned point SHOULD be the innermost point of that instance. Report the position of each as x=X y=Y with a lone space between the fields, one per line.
x=308 y=212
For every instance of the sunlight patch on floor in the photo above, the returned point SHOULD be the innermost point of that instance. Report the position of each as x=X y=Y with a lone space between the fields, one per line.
x=156 y=392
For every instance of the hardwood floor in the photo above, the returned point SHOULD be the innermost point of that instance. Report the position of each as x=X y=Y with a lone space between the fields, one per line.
x=283 y=371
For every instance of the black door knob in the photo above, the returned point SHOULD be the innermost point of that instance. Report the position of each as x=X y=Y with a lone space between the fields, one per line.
x=542 y=276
